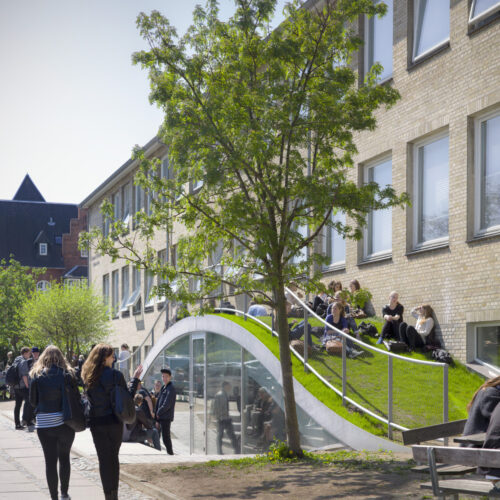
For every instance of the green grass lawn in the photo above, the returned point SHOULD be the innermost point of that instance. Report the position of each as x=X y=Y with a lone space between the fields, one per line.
x=417 y=389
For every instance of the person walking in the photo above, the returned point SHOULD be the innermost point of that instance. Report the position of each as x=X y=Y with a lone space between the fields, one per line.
x=21 y=390
x=221 y=413
x=107 y=430
x=49 y=377
x=164 y=413
x=124 y=361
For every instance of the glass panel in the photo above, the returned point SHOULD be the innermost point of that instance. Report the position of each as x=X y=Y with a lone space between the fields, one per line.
x=432 y=24
x=197 y=396
x=488 y=341
x=380 y=221
x=481 y=6
x=433 y=186
x=490 y=168
x=334 y=243
x=223 y=401
x=380 y=41
x=115 y=293
x=301 y=256
x=175 y=357
x=125 y=287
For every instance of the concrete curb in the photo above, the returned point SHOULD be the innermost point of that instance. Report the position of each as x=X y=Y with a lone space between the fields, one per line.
x=146 y=487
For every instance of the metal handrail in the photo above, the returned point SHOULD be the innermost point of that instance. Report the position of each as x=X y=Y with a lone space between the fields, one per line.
x=307 y=365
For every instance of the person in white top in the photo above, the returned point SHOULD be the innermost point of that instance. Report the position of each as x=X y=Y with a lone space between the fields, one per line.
x=124 y=361
x=419 y=335
x=292 y=302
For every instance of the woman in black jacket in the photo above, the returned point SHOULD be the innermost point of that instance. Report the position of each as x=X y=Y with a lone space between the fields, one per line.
x=50 y=374
x=106 y=428
x=482 y=405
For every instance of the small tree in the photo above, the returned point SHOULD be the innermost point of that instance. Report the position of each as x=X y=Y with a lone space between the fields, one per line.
x=17 y=283
x=260 y=129
x=71 y=318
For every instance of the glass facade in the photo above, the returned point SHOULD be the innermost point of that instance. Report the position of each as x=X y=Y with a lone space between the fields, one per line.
x=227 y=401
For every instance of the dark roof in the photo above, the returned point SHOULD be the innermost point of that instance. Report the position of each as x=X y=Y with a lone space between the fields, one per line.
x=77 y=272
x=24 y=224
x=28 y=191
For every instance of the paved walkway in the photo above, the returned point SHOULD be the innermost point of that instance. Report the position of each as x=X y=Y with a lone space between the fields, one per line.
x=22 y=465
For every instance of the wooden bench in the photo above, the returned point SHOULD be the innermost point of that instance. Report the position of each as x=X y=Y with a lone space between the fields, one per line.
x=472 y=457
x=432 y=432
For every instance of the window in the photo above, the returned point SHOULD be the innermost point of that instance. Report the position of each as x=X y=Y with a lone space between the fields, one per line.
x=480 y=9
x=42 y=285
x=105 y=291
x=116 y=200
x=138 y=201
x=487 y=344
x=105 y=226
x=162 y=259
x=431 y=190
x=125 y=289
x=148 y=286
x=378 y=232
x=378 y=46
x=72 y=283
x=126 y=203
x=431 y=25
x=166 y=171
x=115 y=294
x=84 y=253
x=42 y=248
x=487 y=173
x=334 y=243
x=135 y=296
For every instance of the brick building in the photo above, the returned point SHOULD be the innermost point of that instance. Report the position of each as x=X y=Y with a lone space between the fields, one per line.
x=440 y=143
x=42 y=234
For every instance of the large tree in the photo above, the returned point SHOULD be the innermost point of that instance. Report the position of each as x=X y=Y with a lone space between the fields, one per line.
x=261 y=129
x=17 y=283
x=71 y=318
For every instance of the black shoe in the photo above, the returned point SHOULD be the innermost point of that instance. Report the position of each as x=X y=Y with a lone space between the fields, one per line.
x=19 y=427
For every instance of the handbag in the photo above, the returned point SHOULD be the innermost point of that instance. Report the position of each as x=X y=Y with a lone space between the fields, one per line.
x=122 y=403
x=334 y=347
x=77 y=420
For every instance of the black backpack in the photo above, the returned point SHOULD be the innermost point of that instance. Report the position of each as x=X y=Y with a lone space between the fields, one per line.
x=12 y=374
x=442 y=355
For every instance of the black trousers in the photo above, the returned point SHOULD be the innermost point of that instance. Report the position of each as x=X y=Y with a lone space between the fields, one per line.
x=165 y=432
x=226 y=424
x=410 y=336
x=56 y=445
x=22 y=395
x=390 y=330
x=107 y=441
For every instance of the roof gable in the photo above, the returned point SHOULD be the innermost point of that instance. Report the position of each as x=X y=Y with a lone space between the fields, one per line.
x=28 y=191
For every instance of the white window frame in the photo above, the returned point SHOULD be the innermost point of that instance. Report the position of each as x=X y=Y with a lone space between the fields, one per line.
x=327 y=249
x=43 y=248
x=478 y=175
x=476 y=358
x=149 y=281
x=72 y=282
x=84 y=253
x=416 y=11
x=416 y=194
x=482 y=15
x=43 y=285
x=367 y=230
x=368 y=39
x=125 y=299
x=135 y=294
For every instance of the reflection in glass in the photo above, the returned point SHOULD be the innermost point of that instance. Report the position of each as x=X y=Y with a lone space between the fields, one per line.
x=432 y=25
x=488 y=342
x=490 y=172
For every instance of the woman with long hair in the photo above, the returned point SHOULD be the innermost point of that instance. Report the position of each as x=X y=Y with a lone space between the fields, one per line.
x=481 y=407
x=107 y=430
x=422 y=332
x=50 y=375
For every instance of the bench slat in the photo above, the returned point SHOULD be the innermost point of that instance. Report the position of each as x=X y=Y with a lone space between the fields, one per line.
x=467 y=486
x=459 y=456
x=431 y=432
x=445 y=470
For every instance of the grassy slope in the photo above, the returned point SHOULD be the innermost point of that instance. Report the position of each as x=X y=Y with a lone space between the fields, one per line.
x=417 y=389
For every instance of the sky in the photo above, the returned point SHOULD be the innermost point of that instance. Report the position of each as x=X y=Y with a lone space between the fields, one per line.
x=72 y=105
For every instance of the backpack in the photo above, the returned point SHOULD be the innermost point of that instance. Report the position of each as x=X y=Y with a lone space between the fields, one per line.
x=368 y=329
x=442 y=355
x=12 y=374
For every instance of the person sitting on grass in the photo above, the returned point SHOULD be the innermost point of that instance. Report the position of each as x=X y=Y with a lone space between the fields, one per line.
x=418 y=335
x=142 y=429
x=393 y=316
x=337 y=320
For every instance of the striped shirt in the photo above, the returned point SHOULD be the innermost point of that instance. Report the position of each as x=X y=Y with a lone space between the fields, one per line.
x=46 y=420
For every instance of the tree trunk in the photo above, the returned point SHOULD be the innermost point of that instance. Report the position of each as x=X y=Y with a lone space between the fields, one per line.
x=291 y=421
